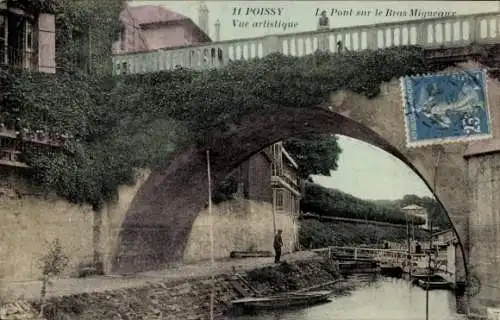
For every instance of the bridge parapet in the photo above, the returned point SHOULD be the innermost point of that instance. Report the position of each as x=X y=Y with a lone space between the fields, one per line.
x=439 y=33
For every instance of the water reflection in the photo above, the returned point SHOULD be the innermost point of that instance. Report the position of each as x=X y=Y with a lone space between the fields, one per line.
x=369 y=298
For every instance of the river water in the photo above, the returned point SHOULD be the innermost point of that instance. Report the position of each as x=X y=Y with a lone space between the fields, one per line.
x=375 y=298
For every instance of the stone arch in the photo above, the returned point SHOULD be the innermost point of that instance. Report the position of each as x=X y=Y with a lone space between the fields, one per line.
x=164 y=209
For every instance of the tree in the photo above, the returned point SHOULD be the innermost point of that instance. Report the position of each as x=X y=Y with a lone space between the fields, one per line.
x=334 y=203
x=53 y=264
x=314 y=154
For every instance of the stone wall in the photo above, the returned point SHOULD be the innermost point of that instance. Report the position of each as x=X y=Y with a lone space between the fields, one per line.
x=239 y=225
x=484 y=231
x=32 y=220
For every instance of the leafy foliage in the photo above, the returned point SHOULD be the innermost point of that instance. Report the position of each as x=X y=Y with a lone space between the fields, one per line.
x=85 y=32
x=225 y=190
x=53 y=263
x=315 y=234
x=330 y=202
x=35 y=6
x=104 y=151
x=55 y=260
x=209 y=99
x=314 y=154
x=122 y=123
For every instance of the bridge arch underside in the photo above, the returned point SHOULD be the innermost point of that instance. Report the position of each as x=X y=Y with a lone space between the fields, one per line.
x=160 y=218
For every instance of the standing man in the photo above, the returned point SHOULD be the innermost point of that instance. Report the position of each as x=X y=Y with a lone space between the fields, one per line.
x=278 y=243
x=418 y=248
x=323 y=24
x=323 y=21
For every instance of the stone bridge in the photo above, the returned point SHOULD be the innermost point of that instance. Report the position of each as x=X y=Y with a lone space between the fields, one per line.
x=463 y=173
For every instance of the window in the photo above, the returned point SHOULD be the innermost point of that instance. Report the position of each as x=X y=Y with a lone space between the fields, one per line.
x=279 y=199
x=17 y=39
x=28 y=45
x=132 y=39
x=29 y=35
x=124 y=68
x=187 y=37
x=122 y=38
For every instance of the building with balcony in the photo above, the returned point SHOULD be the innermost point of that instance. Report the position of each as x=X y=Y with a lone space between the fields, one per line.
x=270 y=176
x=285 y=181
x=26 y=42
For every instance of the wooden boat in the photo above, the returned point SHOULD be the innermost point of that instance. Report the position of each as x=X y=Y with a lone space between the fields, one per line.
x=433 y=282
x=282 y=301
x=420 y=275
x=391 y=271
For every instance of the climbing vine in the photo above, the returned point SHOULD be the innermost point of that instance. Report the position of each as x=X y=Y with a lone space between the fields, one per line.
x=134 y=121
x=85 y=32
x=34 y=7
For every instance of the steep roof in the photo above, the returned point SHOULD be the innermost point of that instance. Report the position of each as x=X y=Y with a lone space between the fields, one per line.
x=149 y=14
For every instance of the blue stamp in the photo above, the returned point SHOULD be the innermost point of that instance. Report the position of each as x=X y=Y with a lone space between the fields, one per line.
x=446 y=107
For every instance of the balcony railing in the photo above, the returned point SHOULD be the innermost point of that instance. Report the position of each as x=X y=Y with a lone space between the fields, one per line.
x=437 y=33
x=14 y=143
x=290 y=177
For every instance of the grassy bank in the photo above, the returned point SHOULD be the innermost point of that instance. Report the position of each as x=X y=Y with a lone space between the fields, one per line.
x=315 y=234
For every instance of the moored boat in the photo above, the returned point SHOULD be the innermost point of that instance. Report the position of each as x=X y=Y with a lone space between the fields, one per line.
x=421 y=275
x=282 y=301
x=433 y=282
x=391 y=271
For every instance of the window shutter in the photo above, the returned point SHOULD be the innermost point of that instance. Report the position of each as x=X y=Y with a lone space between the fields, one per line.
x=3 y=39
x=46 y=43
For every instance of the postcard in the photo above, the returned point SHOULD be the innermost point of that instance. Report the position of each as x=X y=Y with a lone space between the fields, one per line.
x=249 y=160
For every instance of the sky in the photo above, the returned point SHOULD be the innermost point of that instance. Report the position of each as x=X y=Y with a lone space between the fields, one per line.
x=383 y=176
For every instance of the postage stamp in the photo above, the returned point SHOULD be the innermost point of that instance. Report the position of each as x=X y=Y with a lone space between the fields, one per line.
x=444 y=108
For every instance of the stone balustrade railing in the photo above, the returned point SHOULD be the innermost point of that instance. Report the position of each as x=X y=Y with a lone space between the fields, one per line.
x=437 y=33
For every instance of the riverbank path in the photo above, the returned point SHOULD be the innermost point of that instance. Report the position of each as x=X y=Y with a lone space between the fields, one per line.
x=30 y=290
